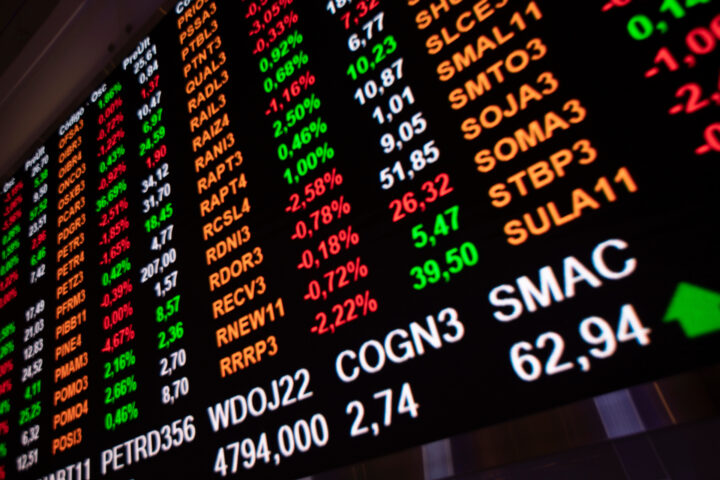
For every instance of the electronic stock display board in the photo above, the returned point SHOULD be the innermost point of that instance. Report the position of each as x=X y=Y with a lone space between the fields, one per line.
x=287 y=235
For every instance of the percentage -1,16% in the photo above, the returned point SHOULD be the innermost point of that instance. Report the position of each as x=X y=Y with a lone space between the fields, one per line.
x=293 y=90
x=361 y=305
x=337 y=278
x=324 y=215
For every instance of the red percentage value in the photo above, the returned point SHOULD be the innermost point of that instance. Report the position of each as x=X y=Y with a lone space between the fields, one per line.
x=360 y=305
x=336 y=279
x=328 y=247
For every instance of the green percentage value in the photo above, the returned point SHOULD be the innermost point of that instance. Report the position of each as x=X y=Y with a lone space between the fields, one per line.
x=114 y=192
x=112 y=157
x=125 y=414
x=296 y=114
x=7 y=330
x=109 y=95
x=316 y=128
x=309 y=163
x=283 y=48
x=118 y=270
x=120 y=389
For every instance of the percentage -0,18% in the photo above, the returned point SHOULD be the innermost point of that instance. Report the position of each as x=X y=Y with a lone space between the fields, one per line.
x=329 y=247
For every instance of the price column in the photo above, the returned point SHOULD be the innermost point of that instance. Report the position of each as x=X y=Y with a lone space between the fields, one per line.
x=35 y=336
x=116 y=307
x=385 y=91
x=70 y=355
x=159 y=276
x=9 y=290
x=239 y=292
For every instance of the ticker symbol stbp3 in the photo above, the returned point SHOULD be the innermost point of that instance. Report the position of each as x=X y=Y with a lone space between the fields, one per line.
x=697 y=310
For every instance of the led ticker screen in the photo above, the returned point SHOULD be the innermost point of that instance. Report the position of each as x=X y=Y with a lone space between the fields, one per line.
x=284 y=236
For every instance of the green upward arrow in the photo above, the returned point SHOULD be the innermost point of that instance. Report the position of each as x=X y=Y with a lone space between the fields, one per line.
x=697 y=310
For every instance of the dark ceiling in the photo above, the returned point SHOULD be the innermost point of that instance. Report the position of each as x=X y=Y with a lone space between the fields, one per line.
x=19 y=20
x=50 y=53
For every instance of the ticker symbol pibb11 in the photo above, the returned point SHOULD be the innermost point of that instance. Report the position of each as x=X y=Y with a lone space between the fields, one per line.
x=696 y=309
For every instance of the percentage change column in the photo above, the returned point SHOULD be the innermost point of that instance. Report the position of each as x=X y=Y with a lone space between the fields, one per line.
x=9 y=279
x=300 y=133
x=114 y=222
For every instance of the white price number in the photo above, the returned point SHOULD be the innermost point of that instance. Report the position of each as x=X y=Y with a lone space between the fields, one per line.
x=300 y=437
x=405 y=404
x=595 y=331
